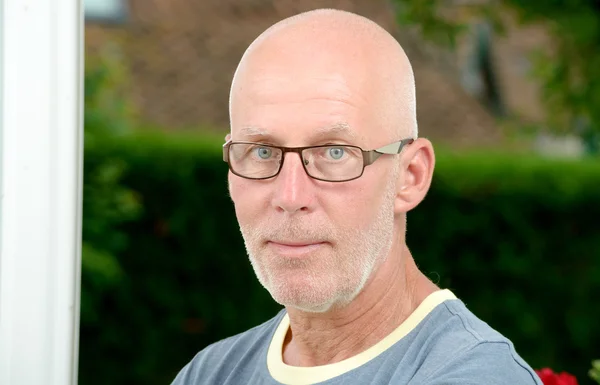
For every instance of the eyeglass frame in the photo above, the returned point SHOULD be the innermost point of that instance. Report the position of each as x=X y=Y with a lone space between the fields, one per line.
x=369 y=156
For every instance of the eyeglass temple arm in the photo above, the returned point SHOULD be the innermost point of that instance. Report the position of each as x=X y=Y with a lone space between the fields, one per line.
x=391 y=149
x=226 y=151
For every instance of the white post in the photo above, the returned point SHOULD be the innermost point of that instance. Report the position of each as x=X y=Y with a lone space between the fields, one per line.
x=40 y=190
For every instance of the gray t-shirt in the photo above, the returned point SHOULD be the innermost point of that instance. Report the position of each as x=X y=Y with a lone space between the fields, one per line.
x=440 y=343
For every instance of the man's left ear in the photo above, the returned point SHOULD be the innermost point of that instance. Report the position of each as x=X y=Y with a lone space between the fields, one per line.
x=414 y=178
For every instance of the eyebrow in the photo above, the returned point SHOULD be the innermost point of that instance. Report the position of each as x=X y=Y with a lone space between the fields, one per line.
x=253 y=131
x=341 y=128
x=338 y=128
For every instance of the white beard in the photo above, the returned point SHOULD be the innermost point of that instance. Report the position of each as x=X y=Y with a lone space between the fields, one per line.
x=332 y=276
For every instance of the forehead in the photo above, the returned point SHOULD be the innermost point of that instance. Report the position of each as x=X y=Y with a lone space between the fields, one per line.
x=300 y=106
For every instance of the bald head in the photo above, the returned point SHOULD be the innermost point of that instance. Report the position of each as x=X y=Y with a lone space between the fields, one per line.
x=332 y=56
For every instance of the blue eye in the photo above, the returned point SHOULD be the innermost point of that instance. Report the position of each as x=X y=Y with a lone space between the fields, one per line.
x=336 y=153
x=264 y=152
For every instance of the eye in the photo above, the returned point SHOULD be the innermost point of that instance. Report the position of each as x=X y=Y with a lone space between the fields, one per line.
x=264 y=152
x=336 y=152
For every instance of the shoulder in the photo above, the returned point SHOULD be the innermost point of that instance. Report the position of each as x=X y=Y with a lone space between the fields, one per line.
x=469 y=351
x=492 y=363
x=222 y=357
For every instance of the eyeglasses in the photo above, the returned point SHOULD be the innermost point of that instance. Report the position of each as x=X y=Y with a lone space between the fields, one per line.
x=329 y=163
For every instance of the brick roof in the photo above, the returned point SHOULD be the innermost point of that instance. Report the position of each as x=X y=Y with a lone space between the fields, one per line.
x=181 y=56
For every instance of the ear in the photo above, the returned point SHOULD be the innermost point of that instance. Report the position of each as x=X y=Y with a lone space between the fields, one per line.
x=414 y=179
x=227 y=137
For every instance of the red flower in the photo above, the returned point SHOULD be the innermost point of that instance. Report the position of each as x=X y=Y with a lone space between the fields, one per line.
x=548 y=377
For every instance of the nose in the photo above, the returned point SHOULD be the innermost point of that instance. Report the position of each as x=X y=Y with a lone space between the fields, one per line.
x=294 y=188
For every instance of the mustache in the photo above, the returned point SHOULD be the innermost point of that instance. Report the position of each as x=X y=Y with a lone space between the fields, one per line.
x=291 y=231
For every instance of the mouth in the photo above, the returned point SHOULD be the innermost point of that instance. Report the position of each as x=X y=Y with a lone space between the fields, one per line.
x=294 y=248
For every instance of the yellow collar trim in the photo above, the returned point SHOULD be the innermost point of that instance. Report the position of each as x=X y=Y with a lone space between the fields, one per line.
x=296 y=375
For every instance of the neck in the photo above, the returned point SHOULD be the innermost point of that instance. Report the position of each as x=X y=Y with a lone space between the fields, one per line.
x=391 y=295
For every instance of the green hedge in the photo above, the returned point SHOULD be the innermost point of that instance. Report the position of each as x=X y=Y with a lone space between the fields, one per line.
x=517 y=238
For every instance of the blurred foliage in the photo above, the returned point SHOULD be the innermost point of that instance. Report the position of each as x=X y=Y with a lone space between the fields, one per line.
x=568 y=71
x=106 y=204
x=108 y=112
x=515 y=238
x=595 y=371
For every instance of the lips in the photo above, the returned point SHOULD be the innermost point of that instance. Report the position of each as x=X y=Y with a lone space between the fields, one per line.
x=296 y=243
x=295 y=248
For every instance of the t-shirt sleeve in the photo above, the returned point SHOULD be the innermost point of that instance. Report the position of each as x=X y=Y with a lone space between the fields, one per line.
x=183 y=377
x=189 y=374
x=489 y=363
x=203 y=368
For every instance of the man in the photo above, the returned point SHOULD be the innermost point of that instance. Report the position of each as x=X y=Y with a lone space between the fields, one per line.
x=323 y=217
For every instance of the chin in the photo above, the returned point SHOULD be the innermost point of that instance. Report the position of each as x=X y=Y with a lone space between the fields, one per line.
x=312 y=296
x=316 y=284
x=302 y=303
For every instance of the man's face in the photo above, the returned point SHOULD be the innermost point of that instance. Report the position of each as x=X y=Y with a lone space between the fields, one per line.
x=312 y=244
